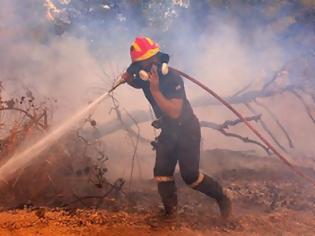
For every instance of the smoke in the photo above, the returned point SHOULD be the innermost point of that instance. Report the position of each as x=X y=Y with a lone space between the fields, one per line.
x=248 y=46
x=226 y=48
x=56 y=67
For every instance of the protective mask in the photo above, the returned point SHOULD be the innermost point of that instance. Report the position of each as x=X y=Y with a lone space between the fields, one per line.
x=145 y=75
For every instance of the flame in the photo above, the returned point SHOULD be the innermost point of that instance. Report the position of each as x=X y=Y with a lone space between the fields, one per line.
x=52 y=10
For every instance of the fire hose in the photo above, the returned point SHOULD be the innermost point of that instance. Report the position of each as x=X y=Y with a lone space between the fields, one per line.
x=242 y=118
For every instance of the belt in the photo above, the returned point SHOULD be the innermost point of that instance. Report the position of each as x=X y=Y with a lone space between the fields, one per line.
x=168 y=123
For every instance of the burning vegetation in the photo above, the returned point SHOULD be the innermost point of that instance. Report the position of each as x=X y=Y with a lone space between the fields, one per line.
x=21 y=119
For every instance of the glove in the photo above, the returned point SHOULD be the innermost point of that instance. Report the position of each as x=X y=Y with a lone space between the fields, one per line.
x=126 y=77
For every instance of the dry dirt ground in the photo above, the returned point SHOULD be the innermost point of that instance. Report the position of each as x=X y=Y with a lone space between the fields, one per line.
x=100 y=222
x=268 y=200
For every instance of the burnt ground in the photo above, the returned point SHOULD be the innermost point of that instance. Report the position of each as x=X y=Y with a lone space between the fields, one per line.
x=268 y=200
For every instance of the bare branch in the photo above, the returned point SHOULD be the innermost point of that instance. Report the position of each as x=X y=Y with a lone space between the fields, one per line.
x=116 y=186
x=243 y=98
x=245 y=139
x=242 y=90
x=227 y=124
x=265 y=127
x=307 y=109
x=273 y=116
x=35 y=120
x=131 y=133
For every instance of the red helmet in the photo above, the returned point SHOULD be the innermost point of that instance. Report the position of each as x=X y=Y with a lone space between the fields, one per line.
x=143 y=48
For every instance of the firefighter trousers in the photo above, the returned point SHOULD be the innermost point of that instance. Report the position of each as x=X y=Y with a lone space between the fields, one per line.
x=181 y=144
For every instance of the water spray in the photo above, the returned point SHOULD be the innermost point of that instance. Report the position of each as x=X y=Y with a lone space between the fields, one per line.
x=242 y=118
x=21 y=159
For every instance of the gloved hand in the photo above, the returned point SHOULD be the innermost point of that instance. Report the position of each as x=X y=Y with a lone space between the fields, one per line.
x=126 y=77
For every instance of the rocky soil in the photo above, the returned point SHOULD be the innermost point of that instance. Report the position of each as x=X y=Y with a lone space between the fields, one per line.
x=268 y=200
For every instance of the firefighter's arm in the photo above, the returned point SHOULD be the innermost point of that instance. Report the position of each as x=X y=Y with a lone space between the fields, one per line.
x=172 y=107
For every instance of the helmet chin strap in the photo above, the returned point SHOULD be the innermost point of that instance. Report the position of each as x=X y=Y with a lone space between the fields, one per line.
x=145 y=75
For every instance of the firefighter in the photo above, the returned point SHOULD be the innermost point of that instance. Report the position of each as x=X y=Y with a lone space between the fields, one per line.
x=179 y=140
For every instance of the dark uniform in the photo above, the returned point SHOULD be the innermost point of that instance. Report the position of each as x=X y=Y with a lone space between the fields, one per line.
x=179 y=141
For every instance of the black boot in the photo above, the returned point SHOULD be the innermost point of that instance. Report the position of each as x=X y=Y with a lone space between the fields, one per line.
x=213 y=189
x=167 y=191
x=225 y=205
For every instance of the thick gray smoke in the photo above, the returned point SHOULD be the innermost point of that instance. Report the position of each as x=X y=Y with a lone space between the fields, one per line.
x=75 y=58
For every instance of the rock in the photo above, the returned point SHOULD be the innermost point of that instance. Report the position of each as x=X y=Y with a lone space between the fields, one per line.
x=40 y=213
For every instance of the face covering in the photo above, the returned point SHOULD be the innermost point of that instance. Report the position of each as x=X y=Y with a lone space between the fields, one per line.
x=163 y=68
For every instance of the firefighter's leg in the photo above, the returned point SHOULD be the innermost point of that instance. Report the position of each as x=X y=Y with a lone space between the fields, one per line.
x=167 y=191
x=189 y=157
x=212 y=188
x=163 y=173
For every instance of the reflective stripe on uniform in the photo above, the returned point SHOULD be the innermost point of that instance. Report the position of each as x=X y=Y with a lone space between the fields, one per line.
x=198 y=181
x=164 y=178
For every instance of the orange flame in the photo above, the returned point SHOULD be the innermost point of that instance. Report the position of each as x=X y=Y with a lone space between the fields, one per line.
x=52 y=10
